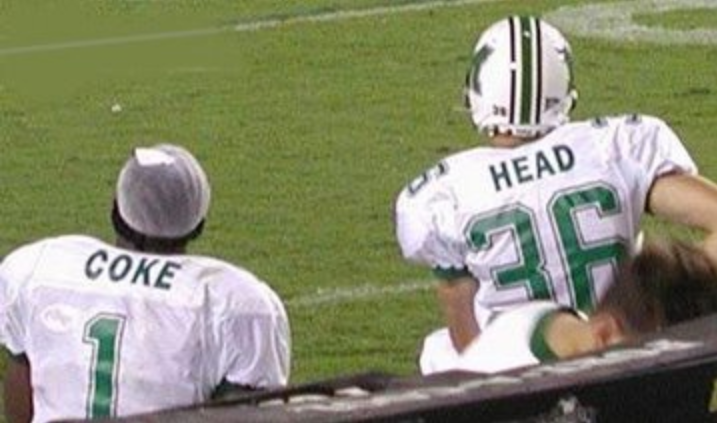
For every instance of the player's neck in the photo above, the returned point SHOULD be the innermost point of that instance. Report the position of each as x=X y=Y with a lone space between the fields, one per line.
x=178 y=248
x=508 y=141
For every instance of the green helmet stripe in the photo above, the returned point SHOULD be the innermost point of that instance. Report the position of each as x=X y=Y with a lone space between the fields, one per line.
x=528 y=28
x=538 y=56
x=513 y=71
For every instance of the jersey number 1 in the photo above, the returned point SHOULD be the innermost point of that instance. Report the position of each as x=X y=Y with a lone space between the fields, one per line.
x=104 y=333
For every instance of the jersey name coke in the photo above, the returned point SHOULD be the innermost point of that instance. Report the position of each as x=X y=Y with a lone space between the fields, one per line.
x=136 y=270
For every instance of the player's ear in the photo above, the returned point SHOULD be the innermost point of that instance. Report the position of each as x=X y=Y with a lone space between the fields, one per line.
x=606 y=330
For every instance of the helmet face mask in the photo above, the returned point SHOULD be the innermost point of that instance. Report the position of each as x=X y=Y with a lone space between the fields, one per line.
x=520 y=79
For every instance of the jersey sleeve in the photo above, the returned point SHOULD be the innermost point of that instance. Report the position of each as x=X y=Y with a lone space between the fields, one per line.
x=427 y=230
x=15 y=270
x=658 y=150
x=257 y=340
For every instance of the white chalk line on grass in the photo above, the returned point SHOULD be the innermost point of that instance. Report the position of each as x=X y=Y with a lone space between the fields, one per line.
x=357 y=13
x=250 y=26
x=615 y=21
x=101 y=42
x=336 y=296
x=599 y=20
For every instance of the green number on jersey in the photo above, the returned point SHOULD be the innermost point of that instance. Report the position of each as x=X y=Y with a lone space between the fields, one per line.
x=581 y=256
x=431 y=174
x=104 y=333
x=577 y=255
x=521 y=222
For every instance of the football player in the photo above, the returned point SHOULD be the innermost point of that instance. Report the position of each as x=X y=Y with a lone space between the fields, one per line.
x=550 y=208
x=99 y=330
x=665 y=284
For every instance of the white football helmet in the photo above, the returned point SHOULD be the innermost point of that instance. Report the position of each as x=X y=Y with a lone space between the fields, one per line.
x=520 y=80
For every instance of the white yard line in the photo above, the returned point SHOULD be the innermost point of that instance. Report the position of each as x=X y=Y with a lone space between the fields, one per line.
x=615 y=21
x=336 y=296
x=600 y=20
x=100 y=42
x=357 y=13
x=250 y=26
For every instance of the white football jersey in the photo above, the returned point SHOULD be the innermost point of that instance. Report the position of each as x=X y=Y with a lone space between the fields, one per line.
x=548 y=220
x=112 y=332
x=514 y=339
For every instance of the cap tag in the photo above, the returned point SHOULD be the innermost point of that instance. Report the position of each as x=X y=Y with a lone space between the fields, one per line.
x=152 y=157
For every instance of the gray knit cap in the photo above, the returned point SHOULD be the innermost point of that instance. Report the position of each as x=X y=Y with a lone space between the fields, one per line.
x=162 y=191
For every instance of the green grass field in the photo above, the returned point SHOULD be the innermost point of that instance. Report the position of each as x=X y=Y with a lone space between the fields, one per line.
x=308 y=118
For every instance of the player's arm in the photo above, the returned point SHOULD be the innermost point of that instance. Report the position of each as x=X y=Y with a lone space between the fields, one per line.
x=17 y=386
x=674 y=191
x=456 y=296
x=429 y=232
x=426 y=229
x=17 y=390
x=689 y=200
x=257 y=345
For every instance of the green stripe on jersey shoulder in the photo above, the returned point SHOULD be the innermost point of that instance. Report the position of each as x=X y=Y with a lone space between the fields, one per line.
x=450 y=273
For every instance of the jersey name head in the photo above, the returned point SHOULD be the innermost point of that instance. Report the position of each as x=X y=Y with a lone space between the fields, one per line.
x=521 y=169
x=134 y=269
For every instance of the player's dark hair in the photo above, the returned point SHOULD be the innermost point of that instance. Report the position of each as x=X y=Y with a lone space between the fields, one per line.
x=143 y=242
x=667 y=282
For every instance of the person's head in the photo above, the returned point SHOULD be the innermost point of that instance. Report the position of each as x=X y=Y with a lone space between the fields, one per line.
x=161 y=200
x=666 y=283
x=520 y=81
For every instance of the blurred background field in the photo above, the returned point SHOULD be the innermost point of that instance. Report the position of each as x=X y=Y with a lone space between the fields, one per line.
x=309 y=117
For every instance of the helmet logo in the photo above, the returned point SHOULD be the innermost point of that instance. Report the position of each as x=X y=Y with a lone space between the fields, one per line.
x=478 y=59
x=567 y=57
